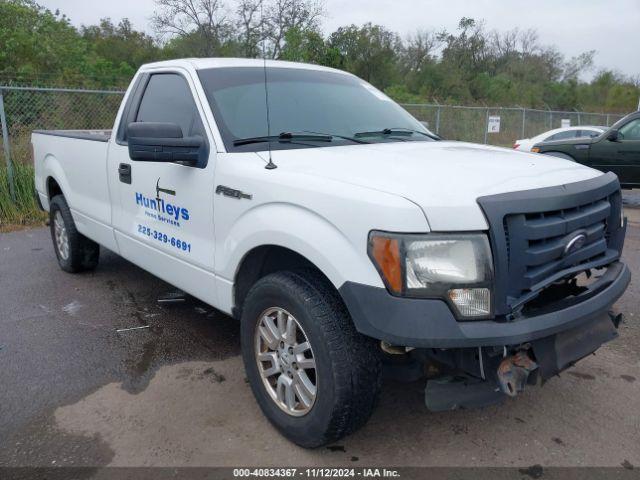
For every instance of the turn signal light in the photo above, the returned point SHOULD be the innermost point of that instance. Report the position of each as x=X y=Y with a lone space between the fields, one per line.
x=386 y=253
x=535 y=150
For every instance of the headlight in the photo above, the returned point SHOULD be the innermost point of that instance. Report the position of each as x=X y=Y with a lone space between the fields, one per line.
x=457 y=268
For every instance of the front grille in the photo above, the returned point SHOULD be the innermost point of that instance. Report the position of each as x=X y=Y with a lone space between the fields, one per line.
x=530 y=231
x=537 y=241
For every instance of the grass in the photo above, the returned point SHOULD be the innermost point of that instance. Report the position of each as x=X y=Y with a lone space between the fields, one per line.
x=24 y=211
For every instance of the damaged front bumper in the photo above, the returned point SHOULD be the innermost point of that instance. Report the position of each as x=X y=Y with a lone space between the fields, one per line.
x=429 y=323
x=485 y=376
x=482 y=362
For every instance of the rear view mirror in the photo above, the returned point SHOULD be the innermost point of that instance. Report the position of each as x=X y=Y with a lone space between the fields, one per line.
x=613 y=135
x=163 y=142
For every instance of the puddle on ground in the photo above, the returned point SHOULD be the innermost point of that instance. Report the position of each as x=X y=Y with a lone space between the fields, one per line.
x=178 y=332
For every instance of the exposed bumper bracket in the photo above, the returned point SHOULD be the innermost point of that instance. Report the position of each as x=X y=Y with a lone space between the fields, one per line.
x=513 y=372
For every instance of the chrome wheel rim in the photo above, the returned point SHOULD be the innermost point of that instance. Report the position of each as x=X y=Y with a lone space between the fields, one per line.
x=60 y=233
x=286 y=362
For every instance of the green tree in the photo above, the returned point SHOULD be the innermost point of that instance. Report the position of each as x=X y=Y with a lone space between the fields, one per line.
x=369 y=52
x=121 y=44
x=309 y=46
x=38 y=45
x=467 y=66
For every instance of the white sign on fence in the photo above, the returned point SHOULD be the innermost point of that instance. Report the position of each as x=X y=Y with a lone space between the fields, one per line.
x=565 y=122
x=493 y=125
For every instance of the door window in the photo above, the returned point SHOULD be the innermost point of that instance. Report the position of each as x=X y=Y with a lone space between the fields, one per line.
x=631 y=131
x=563 y=135
x=588 y=133
x=168 y=99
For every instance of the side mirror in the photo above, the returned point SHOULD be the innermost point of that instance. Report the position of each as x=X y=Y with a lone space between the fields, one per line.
x=163 y=142
x=613 y=136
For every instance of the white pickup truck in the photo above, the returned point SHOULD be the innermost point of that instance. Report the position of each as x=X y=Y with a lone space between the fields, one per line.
x=344 y=236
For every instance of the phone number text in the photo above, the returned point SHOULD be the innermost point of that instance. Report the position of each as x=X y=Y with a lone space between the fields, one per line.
x=164 y=238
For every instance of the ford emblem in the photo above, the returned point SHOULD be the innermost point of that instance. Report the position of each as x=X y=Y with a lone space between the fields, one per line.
x=576 y=242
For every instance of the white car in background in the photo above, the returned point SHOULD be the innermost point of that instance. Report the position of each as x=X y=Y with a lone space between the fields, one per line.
x=565 y=133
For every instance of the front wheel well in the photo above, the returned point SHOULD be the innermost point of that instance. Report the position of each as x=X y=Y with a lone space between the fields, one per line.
x=262 y=261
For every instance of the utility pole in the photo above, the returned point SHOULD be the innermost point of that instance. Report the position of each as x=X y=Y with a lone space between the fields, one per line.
x=524 y=120
x=437 y=116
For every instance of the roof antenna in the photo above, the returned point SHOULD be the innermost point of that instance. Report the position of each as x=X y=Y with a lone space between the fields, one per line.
x=270 y=165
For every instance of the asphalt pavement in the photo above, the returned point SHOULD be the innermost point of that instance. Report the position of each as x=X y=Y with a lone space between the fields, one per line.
x=170 y=390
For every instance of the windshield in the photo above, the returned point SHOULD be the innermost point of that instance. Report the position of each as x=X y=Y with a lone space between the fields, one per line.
x=303 y=102
x=623 y=121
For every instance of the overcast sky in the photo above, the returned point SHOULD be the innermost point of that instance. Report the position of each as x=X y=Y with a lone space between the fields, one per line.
x=611 y=27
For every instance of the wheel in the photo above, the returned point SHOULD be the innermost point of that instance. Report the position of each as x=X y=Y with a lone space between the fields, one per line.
x=314 y=376
x=74 y=251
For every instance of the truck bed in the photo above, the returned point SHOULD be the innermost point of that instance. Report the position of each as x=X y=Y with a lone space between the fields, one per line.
x=77 y=160
x=93 y=135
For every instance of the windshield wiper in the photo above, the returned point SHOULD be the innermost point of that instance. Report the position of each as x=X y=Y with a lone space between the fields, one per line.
x=304 y=135
x=395 y=131
x=283 y=137
x=342 y=137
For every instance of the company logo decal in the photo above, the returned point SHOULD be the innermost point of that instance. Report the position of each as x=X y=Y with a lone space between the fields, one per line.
x=161 y=210
x=163 y=190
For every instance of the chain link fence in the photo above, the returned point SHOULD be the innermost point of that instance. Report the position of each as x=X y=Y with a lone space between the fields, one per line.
x=471 y=124
x=24 y=109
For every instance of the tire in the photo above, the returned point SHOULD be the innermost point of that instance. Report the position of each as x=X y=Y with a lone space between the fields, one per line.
x=74 y=251
x=347 y=373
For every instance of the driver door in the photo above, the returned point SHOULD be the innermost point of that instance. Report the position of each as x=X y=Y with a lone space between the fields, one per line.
x=628 y=154
x=620 y=156
x=164 y=220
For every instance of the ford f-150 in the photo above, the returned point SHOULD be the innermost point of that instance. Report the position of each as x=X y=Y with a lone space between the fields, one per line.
x=345 y=237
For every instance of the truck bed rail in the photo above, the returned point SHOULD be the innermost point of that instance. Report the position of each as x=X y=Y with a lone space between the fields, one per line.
x=93 y=135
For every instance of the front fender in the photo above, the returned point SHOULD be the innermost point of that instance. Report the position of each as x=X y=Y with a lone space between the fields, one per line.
x=305 y=232
x=325 y=221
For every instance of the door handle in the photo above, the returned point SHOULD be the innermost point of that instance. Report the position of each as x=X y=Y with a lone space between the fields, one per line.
x=124 y=171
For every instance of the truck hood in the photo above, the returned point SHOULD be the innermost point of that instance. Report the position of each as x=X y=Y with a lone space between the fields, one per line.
x=443 y=178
